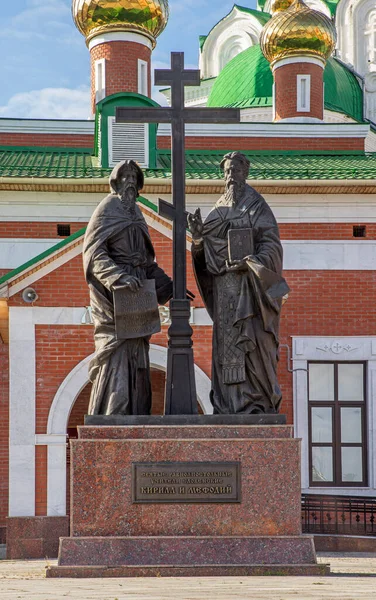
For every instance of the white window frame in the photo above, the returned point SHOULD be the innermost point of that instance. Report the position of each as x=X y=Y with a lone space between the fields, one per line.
x=306 y=349
x=142 y=77
x=100 y=79
x=303 y=93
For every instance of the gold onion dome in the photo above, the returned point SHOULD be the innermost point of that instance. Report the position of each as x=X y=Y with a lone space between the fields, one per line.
x=296 y=31
x=95 y=17
x=278 y=5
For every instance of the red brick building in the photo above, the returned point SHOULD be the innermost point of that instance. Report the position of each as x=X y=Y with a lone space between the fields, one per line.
x=313 y=157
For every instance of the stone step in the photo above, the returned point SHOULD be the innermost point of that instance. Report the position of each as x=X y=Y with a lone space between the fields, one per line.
x=317 y=570
x=177 y=551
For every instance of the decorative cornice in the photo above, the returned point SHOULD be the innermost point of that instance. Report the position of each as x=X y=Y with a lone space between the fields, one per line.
x=161 y=186
x=272 y=130
x=122 y=36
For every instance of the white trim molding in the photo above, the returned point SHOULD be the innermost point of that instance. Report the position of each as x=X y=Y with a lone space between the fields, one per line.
x=21 y=413
x=120 y=36
x=303 y=93
x=333 y=348
x=330 y=255
x=277 y=129
x=43 y=126
x=17 y=251
x=142 y=77
x=293 y=60
x=100 y=79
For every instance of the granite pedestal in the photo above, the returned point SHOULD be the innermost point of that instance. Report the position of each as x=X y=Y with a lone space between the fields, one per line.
x=111 y=535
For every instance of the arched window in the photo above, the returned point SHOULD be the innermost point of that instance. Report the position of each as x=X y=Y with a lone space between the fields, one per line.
x=370 y=33
x=231 y=48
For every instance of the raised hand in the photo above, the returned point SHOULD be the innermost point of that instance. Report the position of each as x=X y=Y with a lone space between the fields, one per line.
x=195 y=224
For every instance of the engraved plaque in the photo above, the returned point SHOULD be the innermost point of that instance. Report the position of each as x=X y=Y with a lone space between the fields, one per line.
x=240 y=244
x=136 y=313
x=182 y=482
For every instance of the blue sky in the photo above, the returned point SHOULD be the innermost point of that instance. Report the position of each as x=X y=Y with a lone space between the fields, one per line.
x=45 y=73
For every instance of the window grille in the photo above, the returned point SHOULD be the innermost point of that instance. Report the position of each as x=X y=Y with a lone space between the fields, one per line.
x=63 y=230
x=359 y=231
x=128 y=141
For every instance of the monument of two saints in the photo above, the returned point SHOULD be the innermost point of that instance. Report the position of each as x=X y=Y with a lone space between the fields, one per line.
x=237 y=260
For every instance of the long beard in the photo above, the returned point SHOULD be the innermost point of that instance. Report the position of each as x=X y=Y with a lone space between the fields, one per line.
x=128 y=199
x=234 y=192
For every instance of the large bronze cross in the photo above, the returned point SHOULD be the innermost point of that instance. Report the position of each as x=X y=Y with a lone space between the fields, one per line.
x=180 y=381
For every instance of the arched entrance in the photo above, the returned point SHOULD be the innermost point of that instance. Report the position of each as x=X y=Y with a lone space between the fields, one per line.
x=70 y=405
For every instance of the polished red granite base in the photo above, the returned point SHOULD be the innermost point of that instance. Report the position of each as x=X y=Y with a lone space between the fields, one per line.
x=35 y=537
x=263 y=531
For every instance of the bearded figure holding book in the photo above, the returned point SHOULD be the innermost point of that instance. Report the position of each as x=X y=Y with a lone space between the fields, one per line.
x=237 y=258
x=126 y=285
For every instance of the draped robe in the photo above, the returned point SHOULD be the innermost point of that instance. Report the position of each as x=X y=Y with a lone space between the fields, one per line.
x=244 y=305
x=117 y=244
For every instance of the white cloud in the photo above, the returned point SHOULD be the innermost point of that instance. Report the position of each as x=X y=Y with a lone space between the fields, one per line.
x=49 y=103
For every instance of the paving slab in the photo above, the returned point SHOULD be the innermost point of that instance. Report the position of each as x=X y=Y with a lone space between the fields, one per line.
x=353 y=578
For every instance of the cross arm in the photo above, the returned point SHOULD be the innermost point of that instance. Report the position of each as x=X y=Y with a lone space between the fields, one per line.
x=211 y=115
x=130 y=114
x=188 y=77
x=168 y=211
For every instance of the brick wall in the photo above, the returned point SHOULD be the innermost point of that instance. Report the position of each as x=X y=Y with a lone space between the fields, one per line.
x=288 y=231
x=35 y=229
x=48 y=140
x=66 y=285
x=285 y=79
x=59 y=349
x=324 y=231
x=121 y=67
x=223 y=144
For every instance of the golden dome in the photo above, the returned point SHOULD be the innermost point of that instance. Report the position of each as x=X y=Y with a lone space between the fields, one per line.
x=277 y=5
x=296 y=31
x=94 y=17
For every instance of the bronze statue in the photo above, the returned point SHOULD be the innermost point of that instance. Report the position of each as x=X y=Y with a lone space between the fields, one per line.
x=237 y=258
x=119 y=258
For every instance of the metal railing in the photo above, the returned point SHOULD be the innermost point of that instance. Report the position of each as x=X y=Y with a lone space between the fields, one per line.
x=338 y=515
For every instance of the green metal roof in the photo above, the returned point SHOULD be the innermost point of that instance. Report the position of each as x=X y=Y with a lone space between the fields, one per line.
x=247 y=81
x=262 y=17
x=201 y=40
x=200 y=164
x=34 y=161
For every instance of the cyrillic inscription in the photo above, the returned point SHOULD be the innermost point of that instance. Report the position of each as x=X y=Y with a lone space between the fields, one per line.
x=186 y=482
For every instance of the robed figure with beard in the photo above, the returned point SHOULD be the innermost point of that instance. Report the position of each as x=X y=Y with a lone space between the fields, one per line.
x=118 y=252
x=243 y=297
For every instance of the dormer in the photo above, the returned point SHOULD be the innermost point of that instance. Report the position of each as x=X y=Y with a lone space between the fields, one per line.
x=115 y=142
